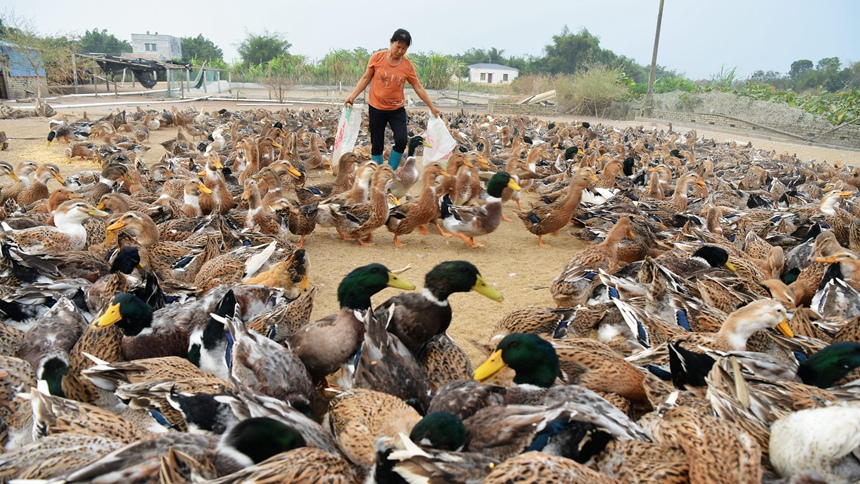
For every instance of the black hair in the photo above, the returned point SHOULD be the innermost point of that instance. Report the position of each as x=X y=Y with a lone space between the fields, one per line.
x=402 y=35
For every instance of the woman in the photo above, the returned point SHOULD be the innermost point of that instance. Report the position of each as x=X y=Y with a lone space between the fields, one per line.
x=389 y=69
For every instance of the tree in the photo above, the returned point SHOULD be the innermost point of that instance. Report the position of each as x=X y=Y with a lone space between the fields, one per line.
x=569 y=50
x=799 y=67
x=40 y=57
x=200 y=48
x=103 y=43
x=259 y=49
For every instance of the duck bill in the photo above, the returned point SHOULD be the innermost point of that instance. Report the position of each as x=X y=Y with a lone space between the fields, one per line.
x=59 y=179
x=13 y=176
x=306 y=283
x=111 y=316
x=426 y=144
x=203 y=188
x=825 y=260
x=785 y=329
x=118 y=225
x=169 y=173
x=95 y=212
x=489 y=368
x=481 y=287
x=295 y=173
x=109 y=236
x=513 y=185
x=731 y=267
x=75 y=195
x=128 y=178
x=394 y=281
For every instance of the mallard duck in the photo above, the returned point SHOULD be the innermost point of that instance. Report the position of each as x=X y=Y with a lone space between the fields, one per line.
x=406 y=217
x=708 y=442
x=38 y=189
x=213 y=178
x=639 y=461
x=470 y=222
x=359 y=417
x=407 y=172
x=382 y=360
x=268 y=367
x=110 y=176
x=155 y=255
x=573 y=285
x=54 y=415
x=301 y=464
x=191 y=198
x=325 y=344
x=22 y=174
x=550 y=218
x=67 y=235
x=689 y=365
x=418 y=317
x=584 y=362
x=359 y=221
x=55 y=456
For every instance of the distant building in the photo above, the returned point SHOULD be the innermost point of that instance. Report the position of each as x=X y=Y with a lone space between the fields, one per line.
x=492 y=74
x=155 y=47
x=18 y=79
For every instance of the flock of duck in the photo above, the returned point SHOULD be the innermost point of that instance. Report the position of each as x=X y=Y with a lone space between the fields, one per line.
x=710 y=333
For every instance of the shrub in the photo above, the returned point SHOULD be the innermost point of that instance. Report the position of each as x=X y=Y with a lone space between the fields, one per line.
x=590 y=91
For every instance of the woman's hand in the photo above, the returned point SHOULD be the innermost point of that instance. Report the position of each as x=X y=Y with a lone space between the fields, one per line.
x=349 y=100
x=435 y=111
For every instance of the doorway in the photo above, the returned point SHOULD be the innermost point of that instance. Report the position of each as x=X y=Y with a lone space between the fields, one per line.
x=490 y=78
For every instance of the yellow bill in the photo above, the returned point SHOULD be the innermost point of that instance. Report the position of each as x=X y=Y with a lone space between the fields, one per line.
x=394 y=281
x=482 y=287
x=490 y=368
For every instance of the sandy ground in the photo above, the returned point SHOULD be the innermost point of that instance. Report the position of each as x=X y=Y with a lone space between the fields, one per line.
x=511 y=260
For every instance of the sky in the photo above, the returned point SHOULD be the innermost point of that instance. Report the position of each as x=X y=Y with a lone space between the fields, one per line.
x=698 y=38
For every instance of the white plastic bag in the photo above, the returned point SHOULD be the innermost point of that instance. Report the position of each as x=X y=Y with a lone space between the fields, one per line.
x=440 y=140
x=347 y=131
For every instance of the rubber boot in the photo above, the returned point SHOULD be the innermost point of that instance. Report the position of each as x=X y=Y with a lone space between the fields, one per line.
x=376 y=159
x=394 y=159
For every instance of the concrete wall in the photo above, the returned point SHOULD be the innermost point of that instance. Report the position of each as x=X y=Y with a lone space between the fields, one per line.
x=17 y=87
x=844 y=136
x=526 y=109
x=166 y=46
x=498 y=75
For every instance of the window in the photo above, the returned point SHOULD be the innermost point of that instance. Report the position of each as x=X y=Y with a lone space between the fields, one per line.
x=483 y=76
x=505 y=77
x=149 y=47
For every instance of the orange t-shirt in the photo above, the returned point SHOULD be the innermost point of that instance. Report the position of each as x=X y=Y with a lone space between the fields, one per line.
x=386 y=88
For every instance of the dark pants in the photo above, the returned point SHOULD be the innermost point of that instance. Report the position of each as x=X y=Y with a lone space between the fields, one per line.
x=377 y=120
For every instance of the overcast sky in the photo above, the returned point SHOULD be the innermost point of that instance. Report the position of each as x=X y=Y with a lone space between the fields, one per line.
x=698 y=37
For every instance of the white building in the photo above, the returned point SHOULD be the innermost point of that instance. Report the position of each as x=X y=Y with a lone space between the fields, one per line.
x=156 y=47
x=492 y=74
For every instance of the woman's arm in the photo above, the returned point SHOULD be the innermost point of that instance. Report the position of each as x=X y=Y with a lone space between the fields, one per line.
x=419 y=89
x=362 y=84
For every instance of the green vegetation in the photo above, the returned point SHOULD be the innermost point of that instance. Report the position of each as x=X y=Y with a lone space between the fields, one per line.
x=586 y=76
x=200 y=48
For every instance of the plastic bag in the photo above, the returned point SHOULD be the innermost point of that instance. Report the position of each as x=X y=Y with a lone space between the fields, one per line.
x=440 y=140
x=347 y=131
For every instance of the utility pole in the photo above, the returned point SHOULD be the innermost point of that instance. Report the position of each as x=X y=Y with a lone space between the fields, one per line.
x=646 y=104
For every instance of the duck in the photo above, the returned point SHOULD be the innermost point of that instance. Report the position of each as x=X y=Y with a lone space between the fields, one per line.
x=407 y=172
x=22 y=172
x=38 y=189
x=358 y=417
x=470 y=222
x=550 y=218
x=68 y=233
x=573 y=285
x=155 y=255
x=55 y=456
x=417 y=317
x=406 y=217
x=325 y=344
x=345 y=168
x=359 y=221
x=689 y=365
x=819 y=441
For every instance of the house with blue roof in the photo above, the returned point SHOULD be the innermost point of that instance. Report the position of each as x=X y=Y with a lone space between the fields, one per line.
x=485 y=73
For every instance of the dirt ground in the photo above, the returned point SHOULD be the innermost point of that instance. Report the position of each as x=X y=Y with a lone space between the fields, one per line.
x=511 y=260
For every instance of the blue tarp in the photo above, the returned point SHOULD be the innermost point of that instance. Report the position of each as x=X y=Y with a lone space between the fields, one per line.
x=18 y=64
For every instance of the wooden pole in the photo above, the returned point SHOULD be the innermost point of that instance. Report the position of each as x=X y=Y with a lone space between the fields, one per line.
x=646 y=103
x=75 y=72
